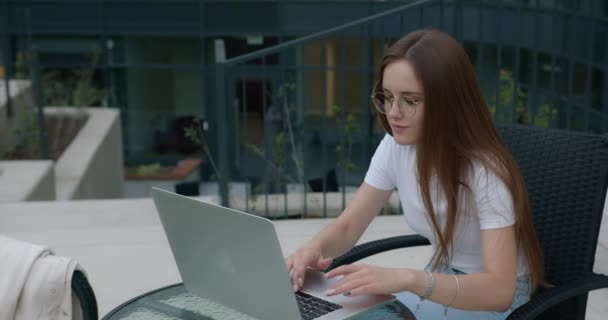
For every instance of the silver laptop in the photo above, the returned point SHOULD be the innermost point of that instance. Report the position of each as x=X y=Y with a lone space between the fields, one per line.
x=234 y=258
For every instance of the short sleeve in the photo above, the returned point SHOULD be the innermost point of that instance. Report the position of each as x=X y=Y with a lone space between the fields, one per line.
x=493 y=200
x=379 y=175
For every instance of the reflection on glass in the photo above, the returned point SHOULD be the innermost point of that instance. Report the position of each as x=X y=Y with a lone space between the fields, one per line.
x=598 y=94
x=579 y=89
x=158 y=105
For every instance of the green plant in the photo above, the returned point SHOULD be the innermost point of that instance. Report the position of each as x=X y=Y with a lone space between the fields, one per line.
x=195 y=133
x=288 y=108
x=26 y=138
x=277 y=165
x=279 y=160
x=511 y=96
x=72 y=87
x=148 y=169
x=59 y=88
x=349 y=126
x=284 y=140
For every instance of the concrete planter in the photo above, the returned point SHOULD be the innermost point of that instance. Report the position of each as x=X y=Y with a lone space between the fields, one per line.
x=139 y=185
x=92 y=165
x=89 y=168
x=27 y=180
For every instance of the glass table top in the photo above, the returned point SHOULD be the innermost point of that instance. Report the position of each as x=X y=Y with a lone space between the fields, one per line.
x=175 y=303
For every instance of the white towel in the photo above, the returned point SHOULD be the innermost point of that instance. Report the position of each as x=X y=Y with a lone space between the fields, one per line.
x=34 y=283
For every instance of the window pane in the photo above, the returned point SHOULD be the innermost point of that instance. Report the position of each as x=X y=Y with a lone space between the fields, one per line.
x=545 y=68
x=158 y=104
x=577 y=119
x=579 y=90
x=162 y=50
x=597 y=89
x=599 y=47
x=525 y=66
x=562 y=70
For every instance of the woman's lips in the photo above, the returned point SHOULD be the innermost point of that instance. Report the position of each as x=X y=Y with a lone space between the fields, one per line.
x=398 y=128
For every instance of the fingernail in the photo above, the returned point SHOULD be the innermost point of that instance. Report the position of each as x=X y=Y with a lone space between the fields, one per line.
x=327 y=276
x=347 y=293
x=330 y=292
x=295 y=288
x=291 y=273
x=300 y=282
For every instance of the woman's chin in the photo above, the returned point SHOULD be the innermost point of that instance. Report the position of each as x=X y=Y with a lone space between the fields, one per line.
x=403 y=139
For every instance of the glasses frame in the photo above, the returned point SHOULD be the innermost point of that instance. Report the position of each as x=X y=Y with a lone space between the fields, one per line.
x=409 y=103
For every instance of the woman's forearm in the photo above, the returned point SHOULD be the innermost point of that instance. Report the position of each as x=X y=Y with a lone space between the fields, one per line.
x=478 y=291
x=333 y=240
x=342 y=234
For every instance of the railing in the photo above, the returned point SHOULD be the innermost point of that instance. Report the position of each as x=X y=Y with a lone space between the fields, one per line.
x=311 y=133
x=304 y=131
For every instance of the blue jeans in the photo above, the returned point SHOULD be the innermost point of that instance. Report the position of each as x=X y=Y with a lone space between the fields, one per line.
x=430 y=310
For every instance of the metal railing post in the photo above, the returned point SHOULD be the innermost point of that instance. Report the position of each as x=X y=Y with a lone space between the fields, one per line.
x=222 y=133
x=7 y=62
x=39 y=103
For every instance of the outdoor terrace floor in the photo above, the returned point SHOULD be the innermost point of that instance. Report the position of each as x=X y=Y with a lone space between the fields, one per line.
x=122 y=247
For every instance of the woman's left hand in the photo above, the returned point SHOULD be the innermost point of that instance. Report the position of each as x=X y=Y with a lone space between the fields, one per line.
x=361 y=279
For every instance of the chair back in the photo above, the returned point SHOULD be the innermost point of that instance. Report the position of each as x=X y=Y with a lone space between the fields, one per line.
x=566 y=175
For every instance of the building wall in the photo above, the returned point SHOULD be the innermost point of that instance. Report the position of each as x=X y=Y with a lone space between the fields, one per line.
x=163 y=47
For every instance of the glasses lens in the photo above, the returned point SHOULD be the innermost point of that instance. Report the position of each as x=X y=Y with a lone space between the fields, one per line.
x=379 y=101
x=407 y=106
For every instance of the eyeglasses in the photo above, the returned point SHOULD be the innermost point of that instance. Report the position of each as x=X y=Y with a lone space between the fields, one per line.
x=384 y=103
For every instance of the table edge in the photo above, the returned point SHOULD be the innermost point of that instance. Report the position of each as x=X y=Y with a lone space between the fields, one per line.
x=124 y=304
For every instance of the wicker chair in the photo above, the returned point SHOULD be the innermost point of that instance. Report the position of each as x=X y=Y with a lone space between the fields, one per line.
x=83 y=291
x=566 y=174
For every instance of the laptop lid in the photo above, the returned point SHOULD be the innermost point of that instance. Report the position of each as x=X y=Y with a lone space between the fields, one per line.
x=227 y=256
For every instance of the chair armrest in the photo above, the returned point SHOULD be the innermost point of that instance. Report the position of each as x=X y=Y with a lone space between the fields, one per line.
x=82 y=289
x=373 y=247
x=553 y=296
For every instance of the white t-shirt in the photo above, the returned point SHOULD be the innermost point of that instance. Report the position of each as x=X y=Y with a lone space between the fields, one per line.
x=395 y=166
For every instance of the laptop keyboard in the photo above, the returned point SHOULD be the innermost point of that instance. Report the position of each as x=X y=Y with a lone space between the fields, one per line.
x=312 y=307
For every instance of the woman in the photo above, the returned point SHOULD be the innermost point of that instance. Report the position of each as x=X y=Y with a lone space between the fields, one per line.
x=458 y=186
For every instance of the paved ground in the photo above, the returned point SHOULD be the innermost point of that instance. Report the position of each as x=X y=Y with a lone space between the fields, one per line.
x=122 y=246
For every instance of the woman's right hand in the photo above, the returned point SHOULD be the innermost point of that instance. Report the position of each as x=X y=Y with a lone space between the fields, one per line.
x=303 y=258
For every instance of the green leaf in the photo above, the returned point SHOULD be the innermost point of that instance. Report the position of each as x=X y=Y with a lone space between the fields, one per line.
x=192 y=134
x=335 y=110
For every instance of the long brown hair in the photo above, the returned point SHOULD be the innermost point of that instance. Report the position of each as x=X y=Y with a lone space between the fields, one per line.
x=458 y=129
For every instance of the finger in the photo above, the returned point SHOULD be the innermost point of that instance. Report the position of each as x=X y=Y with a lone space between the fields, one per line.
x=289 y=263
x=324 y=263
x=362 y=290
x=343 y=270
x=294 y=273
x=348 y=286
x=299 y=271
x=347 y=279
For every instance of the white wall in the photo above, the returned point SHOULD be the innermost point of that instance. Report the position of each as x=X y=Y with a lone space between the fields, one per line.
x=27 y=180
x=92 y=165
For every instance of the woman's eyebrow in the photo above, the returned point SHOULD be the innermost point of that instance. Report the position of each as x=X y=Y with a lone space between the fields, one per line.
x=404 y=92
x=411 y=93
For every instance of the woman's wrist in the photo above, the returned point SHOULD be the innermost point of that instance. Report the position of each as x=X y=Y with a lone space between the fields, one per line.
x=416 y=281
x=314 y=246
x=407 y=279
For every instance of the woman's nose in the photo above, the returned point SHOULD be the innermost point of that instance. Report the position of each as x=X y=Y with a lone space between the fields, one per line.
x=395 y=111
